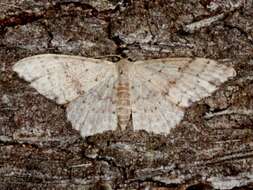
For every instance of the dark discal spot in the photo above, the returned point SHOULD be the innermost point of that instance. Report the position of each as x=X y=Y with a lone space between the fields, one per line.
x=181 y=69
x=191 y=61
x=86 y=70
x=80 y=92
x=160 y=71
x=171 y=82
x=96 y=79
x=113 y=112
x=149 y=80
x=165 y=93
x=132 y=87
x=155 y=108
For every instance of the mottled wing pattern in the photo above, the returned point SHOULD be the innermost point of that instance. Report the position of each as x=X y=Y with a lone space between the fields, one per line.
x=63 y=78
x=162 y=88
x=95 y=112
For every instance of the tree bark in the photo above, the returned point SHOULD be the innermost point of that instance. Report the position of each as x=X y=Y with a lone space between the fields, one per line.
x=212 y=148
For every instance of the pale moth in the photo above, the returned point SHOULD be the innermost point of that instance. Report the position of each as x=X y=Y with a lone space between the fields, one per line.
x=101 y=95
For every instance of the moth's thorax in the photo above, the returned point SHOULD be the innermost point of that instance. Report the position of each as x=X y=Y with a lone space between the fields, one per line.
x=123 y=95
x=122 y=67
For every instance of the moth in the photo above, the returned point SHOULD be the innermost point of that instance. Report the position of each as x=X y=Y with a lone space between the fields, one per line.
x=149 y=95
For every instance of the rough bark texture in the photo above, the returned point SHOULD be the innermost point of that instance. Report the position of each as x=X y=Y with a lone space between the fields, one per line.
x=211 y=148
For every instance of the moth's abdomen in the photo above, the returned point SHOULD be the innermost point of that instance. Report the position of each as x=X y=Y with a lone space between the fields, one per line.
x=123 y=104
x=123 y=96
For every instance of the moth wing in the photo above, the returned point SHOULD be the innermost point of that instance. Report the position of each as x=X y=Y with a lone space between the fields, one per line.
x=151 y=110
x=162 y=88
x=95 y=111
x=185 y=80
x=61 y=77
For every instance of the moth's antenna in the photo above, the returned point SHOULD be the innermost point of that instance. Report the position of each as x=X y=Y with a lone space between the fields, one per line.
x=104 y=56
x=118 y=57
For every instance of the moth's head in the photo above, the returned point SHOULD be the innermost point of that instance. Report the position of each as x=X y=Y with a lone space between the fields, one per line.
x=122 y=56
x=117 y=58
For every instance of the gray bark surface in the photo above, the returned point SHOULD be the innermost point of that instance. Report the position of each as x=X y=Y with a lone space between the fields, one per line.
x=212 y=148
